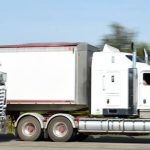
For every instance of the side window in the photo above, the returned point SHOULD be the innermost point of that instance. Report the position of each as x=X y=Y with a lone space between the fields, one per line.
x=146 y=79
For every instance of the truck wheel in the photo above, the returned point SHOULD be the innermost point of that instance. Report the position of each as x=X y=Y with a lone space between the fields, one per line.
x=60 y=129
x=29 y=129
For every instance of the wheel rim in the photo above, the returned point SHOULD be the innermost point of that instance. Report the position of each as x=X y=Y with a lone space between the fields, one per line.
x=60 y=129
x=28 y=129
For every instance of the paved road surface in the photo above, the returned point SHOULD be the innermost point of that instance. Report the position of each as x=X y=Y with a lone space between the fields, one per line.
x=9 y=142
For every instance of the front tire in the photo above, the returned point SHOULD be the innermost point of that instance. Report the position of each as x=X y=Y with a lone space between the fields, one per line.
x=29 y=129
x=60 y=129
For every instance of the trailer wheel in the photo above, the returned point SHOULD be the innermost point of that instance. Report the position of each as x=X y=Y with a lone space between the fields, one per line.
x=29 y=129
x=60 y=129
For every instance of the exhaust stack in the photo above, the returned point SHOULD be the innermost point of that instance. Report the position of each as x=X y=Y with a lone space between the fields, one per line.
x=134 y=106
x=145 y=56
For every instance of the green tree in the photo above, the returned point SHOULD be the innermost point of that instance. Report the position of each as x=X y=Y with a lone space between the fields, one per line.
x=121 y=37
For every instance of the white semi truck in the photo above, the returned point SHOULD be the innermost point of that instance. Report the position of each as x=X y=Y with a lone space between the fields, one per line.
x=47 y=84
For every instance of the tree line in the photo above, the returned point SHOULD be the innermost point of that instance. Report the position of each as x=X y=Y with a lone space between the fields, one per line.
x=121 y=38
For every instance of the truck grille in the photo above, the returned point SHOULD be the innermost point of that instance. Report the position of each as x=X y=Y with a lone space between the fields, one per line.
x=2 y=102
x=3 y=120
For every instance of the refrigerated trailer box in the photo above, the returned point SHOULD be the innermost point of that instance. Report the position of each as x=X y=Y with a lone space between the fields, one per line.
x=47 y=76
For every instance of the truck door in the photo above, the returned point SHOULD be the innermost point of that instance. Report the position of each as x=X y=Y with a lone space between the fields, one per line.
x=144 y=89
x=112 y=89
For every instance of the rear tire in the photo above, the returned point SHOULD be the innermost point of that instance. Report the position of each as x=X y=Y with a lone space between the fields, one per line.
x=60 y=129
x=29 y=129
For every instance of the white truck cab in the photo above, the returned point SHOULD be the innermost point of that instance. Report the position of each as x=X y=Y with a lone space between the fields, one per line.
x=112 y=84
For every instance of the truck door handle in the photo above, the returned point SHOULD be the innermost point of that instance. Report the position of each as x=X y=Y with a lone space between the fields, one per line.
x=103 y=83
x=144 y=101
x=107 y=101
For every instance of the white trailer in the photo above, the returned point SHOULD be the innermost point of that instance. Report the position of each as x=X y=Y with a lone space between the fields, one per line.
x=47 y=77
x=62 y=78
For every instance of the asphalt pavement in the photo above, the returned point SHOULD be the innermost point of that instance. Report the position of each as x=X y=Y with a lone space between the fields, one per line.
x=104 y=142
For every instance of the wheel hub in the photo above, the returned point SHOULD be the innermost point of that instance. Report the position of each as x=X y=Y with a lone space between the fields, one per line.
x=28 y=129
x=60 y=129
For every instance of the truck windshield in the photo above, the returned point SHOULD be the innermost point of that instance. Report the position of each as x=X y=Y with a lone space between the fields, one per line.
x=138 y=59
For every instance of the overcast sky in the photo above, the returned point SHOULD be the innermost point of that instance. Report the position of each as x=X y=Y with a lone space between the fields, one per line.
x=29 y=21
